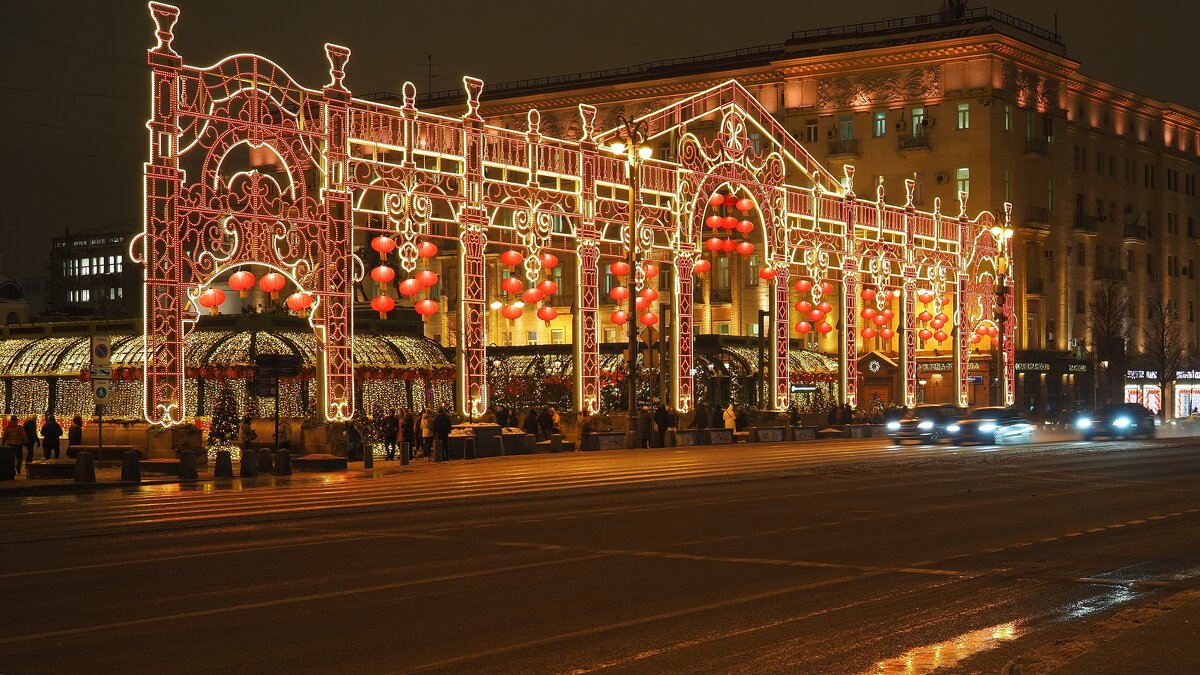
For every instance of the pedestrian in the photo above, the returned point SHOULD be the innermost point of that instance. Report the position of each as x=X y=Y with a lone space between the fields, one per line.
x=75 y=433
x=833 y=415
x=847 y=414
x=730 y=418
x=427 y=433
x=353 y=443
x=545 y=424
x=502 y=417
x=530 y=426
x=248 y=433
x=662 y=420
x=700 y=419
x=52 y=433
x=390 y=428
x=645 y=426
x=31 y=438
x=14 y=438
x=442 y=425
x=408 y=432
x=741 y=420
x=794 y=417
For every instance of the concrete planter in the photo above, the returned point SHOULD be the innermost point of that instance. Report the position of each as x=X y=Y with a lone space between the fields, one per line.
x=858 y=430
x=50 y=468
x=804 y=433
x=677 y=438
x=517 y=444
x=314 y=440
x=720 y=436
x=768 y=434
x=603 y=440
x=164 y=443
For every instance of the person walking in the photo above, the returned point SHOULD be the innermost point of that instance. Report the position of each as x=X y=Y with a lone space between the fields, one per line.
x=390 y=428
x=353 y=443
x=14 y=438
x=662 y=421
x=502 y=417
x=427 y=433
x=52 y=433
x=408 y=432
x=645 y=425
x=31 y=438
x=730 y=418
x=441 y=430
x=545 y=424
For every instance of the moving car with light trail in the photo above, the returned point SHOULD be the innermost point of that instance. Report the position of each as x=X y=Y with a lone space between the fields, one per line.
x=925 y=423
x=1117 y=420
x=1001 y=426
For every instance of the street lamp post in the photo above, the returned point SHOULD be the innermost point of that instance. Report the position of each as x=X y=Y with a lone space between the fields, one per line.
x=633 y=146
x=1004 y=236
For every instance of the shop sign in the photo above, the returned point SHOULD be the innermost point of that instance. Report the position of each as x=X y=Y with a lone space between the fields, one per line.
x=803 y=388
x=1033 y=366
x=1077 y=368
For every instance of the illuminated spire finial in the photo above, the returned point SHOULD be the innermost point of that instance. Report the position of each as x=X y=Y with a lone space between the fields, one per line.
x=338 y=57
x=474 y=87
x=164 y=16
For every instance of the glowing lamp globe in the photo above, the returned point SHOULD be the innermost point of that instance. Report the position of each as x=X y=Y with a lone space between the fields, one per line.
x=383 y=304
x=619 y=268
x=531 y=296
x=745 y=248
x=619 y=317
x=510 y=258
x=744 y=205
x=549 y=261
x=619 y=293
x=745 y=226
x=427 y=249
x=730 y=200
x=511 y=312
x=548 y=287
x=925 y=334
x=803 y=327
x=714 y=244
x=241 y=282
x=511 y=285
x=714 y=221
x=867 y=333
x=211 y=300
x=702 y=267
x=648 y=319
x=426 y=308
x=925 y=297
x=547 y=314
x=383 y=274
x=824 y=327
x=272 y=283
x=409 y=287
x=383 y=245
x=299 y=302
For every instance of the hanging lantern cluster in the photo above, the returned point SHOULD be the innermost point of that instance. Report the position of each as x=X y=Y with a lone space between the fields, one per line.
x=985 y=329
x=543 y=291
x=876 y=314
x=646 y=297
x=812 y=309
x=934 y=323
x=384 y=274
x=724 y=217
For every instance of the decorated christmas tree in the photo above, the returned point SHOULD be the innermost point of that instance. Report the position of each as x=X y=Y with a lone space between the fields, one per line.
x=224 y=427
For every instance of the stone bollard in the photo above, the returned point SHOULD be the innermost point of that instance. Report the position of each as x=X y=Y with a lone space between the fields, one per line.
x=439 y=450
x=131 y=470
x=249 y=468
x=404 y=452
x=85 y=469
x=224 y=465
x=283 y=463
x=187 y=464
x=368 y=456
x=265 y=460
x=8 y=463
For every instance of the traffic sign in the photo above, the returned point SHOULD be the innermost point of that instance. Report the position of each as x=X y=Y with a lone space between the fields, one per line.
x=265 y=389
x=101 y=389
x=103 y=372
x=101 y=350
x=276 y=365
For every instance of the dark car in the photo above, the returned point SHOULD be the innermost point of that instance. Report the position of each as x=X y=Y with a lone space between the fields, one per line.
x=925 y=423
x=997 y=425
x=1117 y=420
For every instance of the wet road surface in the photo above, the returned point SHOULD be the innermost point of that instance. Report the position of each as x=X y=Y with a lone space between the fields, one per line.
x=860 y=559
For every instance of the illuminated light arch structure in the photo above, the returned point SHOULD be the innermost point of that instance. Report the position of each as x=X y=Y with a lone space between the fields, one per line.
x=470 y=184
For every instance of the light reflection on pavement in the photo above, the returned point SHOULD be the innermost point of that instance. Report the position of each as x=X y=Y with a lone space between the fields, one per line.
x=947 y=653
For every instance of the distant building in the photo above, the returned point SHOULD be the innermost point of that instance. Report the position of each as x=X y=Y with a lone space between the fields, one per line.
x=37 y=292
x=91 y=274
x=14 y=308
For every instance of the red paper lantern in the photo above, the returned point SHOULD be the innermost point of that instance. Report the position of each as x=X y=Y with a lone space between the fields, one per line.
x=925 y=334
x=532 y=296
x=803 y=327
x=745 y=226
x=383 y=304
x=619 y=317
x=729 y=245
x=936 y=324
x=716 y=200
x=511 y=258
x=816 y=315
x=803 y=285
x=383 y=274
x=619 y=293
x=547 y=313
x=868 y=332
x=426 y=278
x=867 y=294
x=241 y=282
x=641 y=303
x=868 y=313
x=942 y=317
x=766 y=273
x=744 y=205
x=649 y=294
x=272 y=283
x=730 y=223
x=804 y=307
x=940 y=336
x=651 y=270
x=880 y=320
x=945 y=298
x=549 y=261
x=824 y=327
x=383 y=245
x=299 y=302
x=730 y=200
x=981 y=330
x=993 y=331
x=976 y=339
x=702 y=266
x=409 y=287
x=925 y=296
x=824 y=307
x=714 y=244
x=745 y=248
x=924 y=316
x=887 y=333
x=512 y=285
x=648 y=319
x=548 y=287
x=427 y=249
x=826 y=287
x=714 y=221
x=619 y=268
x=888 y=313
x=426 y=308
x=212 y=299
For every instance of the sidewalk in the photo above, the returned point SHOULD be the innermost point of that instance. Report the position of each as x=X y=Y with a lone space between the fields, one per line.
x=1161 y=637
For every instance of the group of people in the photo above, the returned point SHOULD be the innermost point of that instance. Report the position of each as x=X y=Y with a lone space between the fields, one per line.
x=405 y=426
x=23 y=436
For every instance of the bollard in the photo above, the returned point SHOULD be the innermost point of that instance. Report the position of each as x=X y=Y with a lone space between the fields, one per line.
x=265 y=460
x=368 y=456
x=404 y=451
x=283 y=463
x=187 y=464
x=131 y=470
x=85 y=469
x=8 y=463
x=439 y=450
x=224 y=465
x=249 y=468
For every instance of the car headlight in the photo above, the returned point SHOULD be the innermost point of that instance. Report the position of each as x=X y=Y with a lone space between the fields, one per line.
x=953 y=428
x=1083 y=423
x=987 y=426
x=893 y=426
x=1121 y=422
x=925 y=425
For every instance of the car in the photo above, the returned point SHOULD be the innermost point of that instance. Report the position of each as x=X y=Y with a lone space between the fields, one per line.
x=924 y=423
x=1001 y=426
x=1117 y=420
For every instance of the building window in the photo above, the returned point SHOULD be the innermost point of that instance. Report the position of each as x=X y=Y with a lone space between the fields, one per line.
x=1081 y=255
x=1050 y=194
x=1191 y=226
x=880 y=128
x=846 y=127
x=723 y=329
x=721 y=273
x=557 y=336
x=751 y=271
x=964 y=116
x=810 y=131
x=1007 y=117
x=531 y=338
x=752 y=329
x=918 y=121
x=964 y=179
x=1079 y=303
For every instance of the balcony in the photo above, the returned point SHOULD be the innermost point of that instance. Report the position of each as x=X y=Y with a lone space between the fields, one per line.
x=845 y=146
x=1036 y=218
x=917 y=142
x=1037 y=146
x=1087 y=224
x=1109 y=274
x=1134 y=233
x=721 y=295
x=1035 y=287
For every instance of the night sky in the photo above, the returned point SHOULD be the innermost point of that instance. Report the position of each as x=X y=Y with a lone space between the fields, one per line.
x=74 y=146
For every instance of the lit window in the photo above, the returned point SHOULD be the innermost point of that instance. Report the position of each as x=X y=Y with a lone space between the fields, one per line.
x=1007 y=117
x=880 y=125
x=918 y=121
x=751 y=270
x=810 y=131
x=557 y=336
x=964 y=179
x=846 y=127
x=964 y=116
x=532 y=337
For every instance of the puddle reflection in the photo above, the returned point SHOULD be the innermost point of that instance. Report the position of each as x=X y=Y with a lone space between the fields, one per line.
x=928 y=658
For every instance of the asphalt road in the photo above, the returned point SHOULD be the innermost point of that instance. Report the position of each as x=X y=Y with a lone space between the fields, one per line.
x=850 y=558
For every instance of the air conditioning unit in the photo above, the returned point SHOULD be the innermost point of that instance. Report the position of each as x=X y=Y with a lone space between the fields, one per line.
x=829 y=134
x=942 y=177
x=900 y=126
